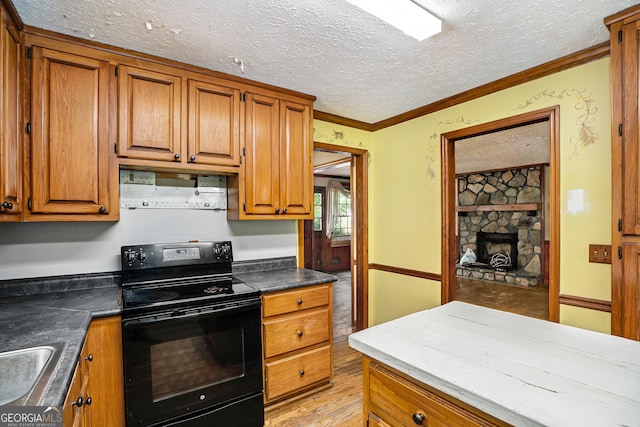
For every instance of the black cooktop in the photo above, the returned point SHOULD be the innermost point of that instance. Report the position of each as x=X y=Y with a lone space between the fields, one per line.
x=179 y=275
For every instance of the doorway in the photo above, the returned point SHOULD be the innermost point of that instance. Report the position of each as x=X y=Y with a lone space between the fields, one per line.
x=340 y=254
x=450 y=191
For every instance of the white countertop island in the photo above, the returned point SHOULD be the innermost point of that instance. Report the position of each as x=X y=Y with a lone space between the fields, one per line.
x=524 y=371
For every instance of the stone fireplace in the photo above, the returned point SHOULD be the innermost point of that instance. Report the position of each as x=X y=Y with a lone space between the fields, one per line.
x=502 y=213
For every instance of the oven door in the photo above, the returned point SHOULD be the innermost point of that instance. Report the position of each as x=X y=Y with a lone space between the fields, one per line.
x=188 y=362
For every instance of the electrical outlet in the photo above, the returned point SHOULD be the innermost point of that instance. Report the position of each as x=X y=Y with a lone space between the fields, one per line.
x=600 y=254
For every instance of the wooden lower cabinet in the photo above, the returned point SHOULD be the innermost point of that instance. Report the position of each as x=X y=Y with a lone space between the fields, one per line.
x=393 y=399
x=96 y=394
x=297 y=336
x=77 y=405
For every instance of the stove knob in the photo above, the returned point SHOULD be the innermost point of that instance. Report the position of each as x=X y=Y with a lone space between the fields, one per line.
x=217 y=251
x=142 y=255
x=226 y=251
x=131 y=256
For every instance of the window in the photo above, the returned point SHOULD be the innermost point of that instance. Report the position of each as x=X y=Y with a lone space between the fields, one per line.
x=317 y=211
x=342 y=222
x=338 y=214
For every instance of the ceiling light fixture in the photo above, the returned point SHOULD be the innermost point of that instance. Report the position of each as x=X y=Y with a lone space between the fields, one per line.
x=406 y=15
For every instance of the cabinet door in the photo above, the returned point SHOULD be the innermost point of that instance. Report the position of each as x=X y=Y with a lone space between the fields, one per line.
x=69 y=145
x=630 y=294
x=104 y=343
x=296 y=163
x=631 y=132
x=149 y=114
x=10 y=113
x=214 y=124
x=71 y=413
x=262 y=169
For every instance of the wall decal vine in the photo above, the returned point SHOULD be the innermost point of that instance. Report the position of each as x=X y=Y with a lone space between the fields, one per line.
x=459 y=120
x=433 y=145
x=585 y=135
x=335 y=136
x=431 y=158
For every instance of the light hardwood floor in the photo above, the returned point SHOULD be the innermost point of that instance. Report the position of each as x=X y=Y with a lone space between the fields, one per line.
x=341 y=403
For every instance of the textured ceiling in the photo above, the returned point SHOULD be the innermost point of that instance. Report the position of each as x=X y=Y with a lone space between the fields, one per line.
x=520 y=146
x=356 y=65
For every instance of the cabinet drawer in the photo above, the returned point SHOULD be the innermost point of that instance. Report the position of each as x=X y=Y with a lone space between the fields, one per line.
x=297 y=372
x=296 y=331
x=296 y=300
x=397 y=401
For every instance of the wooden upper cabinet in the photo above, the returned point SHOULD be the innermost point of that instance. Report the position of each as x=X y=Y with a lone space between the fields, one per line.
x=278 y=162
x=214 y=124
x=631 y=130
x=70 y=150
x=296 y=161
x=149 y=114
x=262 y=155
x=10 y=119
x=625 y=155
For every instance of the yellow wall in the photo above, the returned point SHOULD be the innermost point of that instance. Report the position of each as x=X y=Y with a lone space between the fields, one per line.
x=404 y=189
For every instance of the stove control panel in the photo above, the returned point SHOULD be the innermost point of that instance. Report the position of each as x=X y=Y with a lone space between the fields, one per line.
x=142 y=257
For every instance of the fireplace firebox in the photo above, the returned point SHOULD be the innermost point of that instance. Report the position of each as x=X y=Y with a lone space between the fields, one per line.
x=489 y=244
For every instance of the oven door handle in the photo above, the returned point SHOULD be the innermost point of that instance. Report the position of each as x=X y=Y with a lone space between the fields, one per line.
x=185 y=313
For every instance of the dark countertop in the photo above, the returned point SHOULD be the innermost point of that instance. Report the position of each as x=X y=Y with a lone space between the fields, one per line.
x=283 y=279
x=60 y=317
x=63 y=311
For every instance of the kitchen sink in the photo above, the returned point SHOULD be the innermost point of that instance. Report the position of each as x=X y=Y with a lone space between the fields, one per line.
x=25 y=373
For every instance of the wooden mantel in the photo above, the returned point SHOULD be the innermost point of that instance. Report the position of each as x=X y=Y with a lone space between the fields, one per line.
x=501 y=208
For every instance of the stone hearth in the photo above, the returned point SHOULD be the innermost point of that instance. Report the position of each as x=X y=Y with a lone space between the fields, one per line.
x=489 y=203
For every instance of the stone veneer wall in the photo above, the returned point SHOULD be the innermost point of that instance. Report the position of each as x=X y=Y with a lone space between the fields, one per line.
x=515 y=186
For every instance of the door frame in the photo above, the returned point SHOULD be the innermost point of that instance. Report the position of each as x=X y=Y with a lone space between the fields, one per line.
x=449 y=194
x=359 y=245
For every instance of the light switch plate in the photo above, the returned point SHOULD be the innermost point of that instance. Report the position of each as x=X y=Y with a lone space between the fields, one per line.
x=600 y=254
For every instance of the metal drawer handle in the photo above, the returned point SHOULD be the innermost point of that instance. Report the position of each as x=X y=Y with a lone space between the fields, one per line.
x=418 y=418
x=299 y=302
x=301 y=372
x=89 y=358
x=88 y=401
x=299 y=333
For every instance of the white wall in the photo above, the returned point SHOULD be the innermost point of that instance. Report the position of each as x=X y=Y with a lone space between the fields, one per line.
x=51 y=249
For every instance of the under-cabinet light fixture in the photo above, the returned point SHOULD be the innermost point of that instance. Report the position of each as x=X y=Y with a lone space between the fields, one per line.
x=406 y=15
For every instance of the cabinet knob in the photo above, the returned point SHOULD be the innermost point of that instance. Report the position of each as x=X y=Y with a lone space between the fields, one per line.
x=192 y=158
x=7 y=205
x=299 y=333
x=277 y=210
x=418 y=418
x=87 y=401
x=78 y=402
x=89 y=358
x=284 y=211
x=102 y=209
x=176 y=156
x=301 y=372
x=299 y=302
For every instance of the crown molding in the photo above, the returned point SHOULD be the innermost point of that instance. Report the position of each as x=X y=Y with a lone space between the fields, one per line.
x=573 y=60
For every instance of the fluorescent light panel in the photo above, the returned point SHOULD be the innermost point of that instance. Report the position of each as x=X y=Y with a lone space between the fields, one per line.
x=405 y=15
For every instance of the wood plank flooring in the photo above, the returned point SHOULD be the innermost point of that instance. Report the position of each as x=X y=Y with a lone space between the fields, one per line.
x=341 y=403
x=532 y=302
